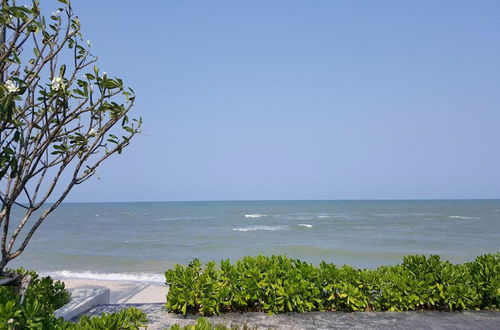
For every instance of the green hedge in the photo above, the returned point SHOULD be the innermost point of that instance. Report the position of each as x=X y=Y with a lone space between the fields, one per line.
x=130 y=318
x=203 y=324
x=33 y=316
x=277 y=284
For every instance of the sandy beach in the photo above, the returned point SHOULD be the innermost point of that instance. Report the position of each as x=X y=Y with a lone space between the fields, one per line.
x=122 y=292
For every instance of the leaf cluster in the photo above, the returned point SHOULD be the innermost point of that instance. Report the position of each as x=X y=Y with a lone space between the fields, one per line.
x=50 y=293
x=277 y=284
x=127 y=319
x=34 y=316
x=42 y=298
x=203 y=324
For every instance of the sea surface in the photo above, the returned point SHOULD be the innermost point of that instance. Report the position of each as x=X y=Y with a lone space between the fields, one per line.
x=139 y=241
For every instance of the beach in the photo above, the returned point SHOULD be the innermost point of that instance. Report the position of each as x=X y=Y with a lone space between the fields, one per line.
x=122 y=292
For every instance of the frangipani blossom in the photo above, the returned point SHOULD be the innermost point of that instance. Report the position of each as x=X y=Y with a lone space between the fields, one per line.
x=57 y=83
x=11 y=87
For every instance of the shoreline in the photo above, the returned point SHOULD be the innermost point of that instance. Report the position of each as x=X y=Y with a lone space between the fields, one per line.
x=150 y=277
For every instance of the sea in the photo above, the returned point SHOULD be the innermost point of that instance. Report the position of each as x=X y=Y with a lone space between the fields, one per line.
x=140 y=241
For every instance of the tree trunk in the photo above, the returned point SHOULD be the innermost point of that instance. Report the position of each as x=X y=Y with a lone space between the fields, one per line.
x=3 y=38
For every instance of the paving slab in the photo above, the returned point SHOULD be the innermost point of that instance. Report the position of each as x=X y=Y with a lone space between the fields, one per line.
x=159 y=318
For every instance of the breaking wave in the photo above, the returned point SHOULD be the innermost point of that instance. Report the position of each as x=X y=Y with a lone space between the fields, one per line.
x=255 y=228
x=126 y=277
x=463 y=217
x=305 y=225
x=255 y=215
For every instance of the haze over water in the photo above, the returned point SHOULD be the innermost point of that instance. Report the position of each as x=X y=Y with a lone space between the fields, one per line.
x=144 y=239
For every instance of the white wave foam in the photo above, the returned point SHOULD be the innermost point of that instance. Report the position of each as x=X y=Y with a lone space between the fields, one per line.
x=305 y=225
x=323 y=216
x=255 y=215
x=254 y=228
x=463 y=217
x=128 y=277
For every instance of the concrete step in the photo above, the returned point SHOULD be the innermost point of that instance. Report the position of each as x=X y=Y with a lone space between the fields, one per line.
x=82 y=300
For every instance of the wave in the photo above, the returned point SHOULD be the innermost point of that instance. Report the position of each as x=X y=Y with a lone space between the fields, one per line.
x=254 y=228
x=255 y=215
x=323 y=216
x=463 y=217
x=127 y=277
x=305 y=225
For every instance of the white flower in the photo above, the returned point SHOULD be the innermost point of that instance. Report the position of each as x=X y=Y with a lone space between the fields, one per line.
x=57 y=83
x=89 y=43
x=11 y=87
x=92 y=132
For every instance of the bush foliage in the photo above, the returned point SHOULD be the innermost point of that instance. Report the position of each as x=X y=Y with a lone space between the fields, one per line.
x=277 y=284
x=51 y=294
x=203 y=324
x=130 y=318
x=42 y=298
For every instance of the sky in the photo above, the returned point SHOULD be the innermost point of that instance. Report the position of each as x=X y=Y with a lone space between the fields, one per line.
x=276 y=100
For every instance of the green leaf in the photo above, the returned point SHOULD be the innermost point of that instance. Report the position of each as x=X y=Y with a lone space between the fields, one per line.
x=62 y=70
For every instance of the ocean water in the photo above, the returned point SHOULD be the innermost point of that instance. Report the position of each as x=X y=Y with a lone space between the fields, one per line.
x=139 y=241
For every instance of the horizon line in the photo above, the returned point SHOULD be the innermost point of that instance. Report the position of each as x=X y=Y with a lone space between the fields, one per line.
x=285 y=200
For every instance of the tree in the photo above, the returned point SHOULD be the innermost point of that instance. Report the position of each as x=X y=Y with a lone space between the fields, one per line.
x=59 y=122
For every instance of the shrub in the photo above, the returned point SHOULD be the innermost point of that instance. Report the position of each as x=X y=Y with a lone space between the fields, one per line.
x=203 y=324
x=485 y=276
x=42 y=298
x=277 y=284
x=51 y=294
x=130 y=318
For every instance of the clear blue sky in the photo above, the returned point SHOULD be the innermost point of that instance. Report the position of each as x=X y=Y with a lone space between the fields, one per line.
x=302 y=99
